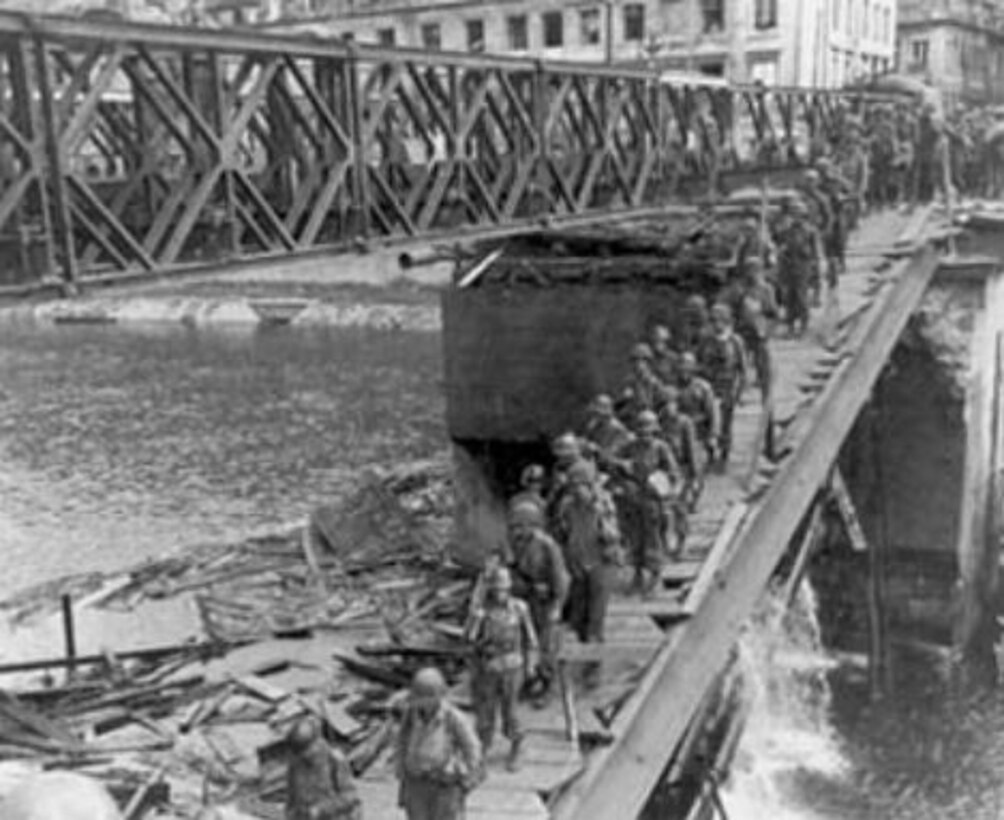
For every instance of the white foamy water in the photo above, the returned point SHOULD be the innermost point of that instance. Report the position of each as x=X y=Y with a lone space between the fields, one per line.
x=788 y=733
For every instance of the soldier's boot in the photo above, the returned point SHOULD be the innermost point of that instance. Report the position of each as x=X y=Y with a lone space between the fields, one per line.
x=486 y=737
x=515 y=758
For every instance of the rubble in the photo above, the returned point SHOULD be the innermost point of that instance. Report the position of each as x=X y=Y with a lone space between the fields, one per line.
x=330 y=619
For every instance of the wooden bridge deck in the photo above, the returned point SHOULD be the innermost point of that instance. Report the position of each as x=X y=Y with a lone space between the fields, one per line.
x=557 y=779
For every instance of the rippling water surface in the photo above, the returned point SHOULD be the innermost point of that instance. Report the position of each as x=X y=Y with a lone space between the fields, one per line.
x=119 y=443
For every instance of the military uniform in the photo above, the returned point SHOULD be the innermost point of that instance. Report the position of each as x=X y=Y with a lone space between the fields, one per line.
x=753 y=304
x=319 y=785
x=697 y=400
x=439 y=762
x=540 y=578
x=797 y=261
x=723 y=360
x=505 y=649
x=650 y=510
x=680 y=433
x=590 y=536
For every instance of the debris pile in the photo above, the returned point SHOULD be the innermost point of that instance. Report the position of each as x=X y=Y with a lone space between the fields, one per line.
x=330 y=620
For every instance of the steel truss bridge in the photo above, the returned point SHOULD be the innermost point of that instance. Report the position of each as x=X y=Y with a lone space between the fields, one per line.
x=130 y=149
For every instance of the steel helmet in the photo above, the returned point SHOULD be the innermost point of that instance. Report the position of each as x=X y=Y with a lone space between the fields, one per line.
x=565 y=446
x=526 y=512
x=428 y=683
x=602 y=405
x=500 y=578
x=581 y=472
x=647 y=422
x=532 y=474
x=642 y=351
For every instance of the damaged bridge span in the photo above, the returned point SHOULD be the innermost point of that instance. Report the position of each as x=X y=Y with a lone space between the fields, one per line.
x=756 y=527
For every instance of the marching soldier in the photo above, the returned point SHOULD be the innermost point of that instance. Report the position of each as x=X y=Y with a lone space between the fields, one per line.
x=680 y=433
x=604 y=431
x=754 y=306
x=540 y=578
x=665 y=360
x=697 y=400
x=798 y=259
x=505 y=648
x=694 y=323
x=531 y=482
x=319 y=784
x=723 y=359
x=438 y=755
x=588 y=532
x=642 y=386
x=654 y=482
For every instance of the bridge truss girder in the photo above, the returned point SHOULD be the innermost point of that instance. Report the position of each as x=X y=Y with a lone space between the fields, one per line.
x=128 y=149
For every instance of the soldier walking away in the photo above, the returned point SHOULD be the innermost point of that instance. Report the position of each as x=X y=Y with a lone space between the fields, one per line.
x=589 y=534
x=798 y=259
x=723 y=360
x=697 y=400
x=319 y=784
x=505 y=648
x=567 y=450
x=540 y=578
x=654 y=481
x=438 y=755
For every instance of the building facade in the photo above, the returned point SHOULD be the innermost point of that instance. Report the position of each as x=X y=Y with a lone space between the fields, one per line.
x=955 y=45
x=778 y=42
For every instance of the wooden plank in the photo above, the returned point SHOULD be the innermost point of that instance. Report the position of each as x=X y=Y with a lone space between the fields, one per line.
x=709 y=574
x=589 y=652
x=619 y=778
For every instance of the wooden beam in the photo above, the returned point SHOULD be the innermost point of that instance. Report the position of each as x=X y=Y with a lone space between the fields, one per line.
x=848 y=513
x=619 y=778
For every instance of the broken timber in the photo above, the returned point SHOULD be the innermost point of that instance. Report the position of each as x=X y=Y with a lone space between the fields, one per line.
x=619 y=778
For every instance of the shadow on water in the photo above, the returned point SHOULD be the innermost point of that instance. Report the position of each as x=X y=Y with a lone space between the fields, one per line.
x=119 y=443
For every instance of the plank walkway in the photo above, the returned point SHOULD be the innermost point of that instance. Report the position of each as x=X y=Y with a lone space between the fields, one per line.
x=803 y=367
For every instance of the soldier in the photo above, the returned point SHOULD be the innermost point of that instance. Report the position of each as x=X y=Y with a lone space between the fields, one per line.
x=541 y=579
x=680 y=433
x=753 y=304
x=723 y=360
x=798 y=258
x=505 y=648
x=694 y=323
x=820 y=212
x=319 y=784
x=531 y=483
x=589 y=534
x=654 y=481
x=838 y=190
x=604 y=431
x=438 y=755
x=697 y=400
x=665 y=360
x=567 y=450
x=642 y=384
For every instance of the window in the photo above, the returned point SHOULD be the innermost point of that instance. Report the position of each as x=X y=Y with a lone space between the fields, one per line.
x=919 y=50
x=432 y=38
x=386 y=36
x=634 y=22
x=712 y=16
x=554 y=29
x=766 y=14
x=475 y=35
x=589 y=27
x=516 y=32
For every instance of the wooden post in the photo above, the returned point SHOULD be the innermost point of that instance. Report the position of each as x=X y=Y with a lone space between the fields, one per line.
x=69 y=636
x=879 y=669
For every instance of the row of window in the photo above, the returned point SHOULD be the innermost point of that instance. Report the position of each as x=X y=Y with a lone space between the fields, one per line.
x=517 y=30
x=869 y=20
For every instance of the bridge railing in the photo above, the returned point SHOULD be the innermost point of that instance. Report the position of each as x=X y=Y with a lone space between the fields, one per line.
x=132 y=149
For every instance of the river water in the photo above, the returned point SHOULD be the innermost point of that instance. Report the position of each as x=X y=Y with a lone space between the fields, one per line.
x=124 y=442
x=119 y=443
